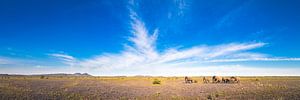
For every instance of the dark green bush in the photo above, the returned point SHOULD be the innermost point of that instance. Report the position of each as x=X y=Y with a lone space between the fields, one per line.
x=156 y=81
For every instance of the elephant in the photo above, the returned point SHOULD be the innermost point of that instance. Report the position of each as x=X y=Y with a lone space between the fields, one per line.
x=188 y=80
x=234 y=79
x=216 y=79
x=205 y=80
x=225 y=80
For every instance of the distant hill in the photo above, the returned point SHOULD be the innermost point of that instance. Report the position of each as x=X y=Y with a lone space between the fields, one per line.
x=63 y=74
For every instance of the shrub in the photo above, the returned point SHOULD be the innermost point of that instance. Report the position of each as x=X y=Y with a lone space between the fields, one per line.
x=156 y=81
x=42 y=77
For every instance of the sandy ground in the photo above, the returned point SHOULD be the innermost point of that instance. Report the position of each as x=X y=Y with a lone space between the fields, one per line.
x=111 y=88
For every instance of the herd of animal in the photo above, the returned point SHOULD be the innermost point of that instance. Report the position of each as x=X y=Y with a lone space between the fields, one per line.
x=215 y=79
x=4 y=76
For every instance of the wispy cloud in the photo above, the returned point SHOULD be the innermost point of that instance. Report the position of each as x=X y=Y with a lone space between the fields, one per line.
x=4 y=61
x=15 y=63
x=12 y=65
x=255 y=59
x=228 y=18
x=141 y=54
x=67 y=59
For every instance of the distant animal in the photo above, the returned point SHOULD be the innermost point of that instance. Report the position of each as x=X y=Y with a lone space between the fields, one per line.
x=216 y=79
x=234 y=79
x=4 y=76
x=225 y=80
x=188 y=80
x=205 y=80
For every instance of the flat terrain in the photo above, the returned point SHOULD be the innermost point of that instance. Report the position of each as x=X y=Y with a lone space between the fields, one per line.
x=35 y=87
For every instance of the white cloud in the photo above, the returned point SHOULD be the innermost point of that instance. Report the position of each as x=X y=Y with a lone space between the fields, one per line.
x=67 y=59
x=11 y=65
x=255 y=59
x=64 y=57
x=141 y=56
x=4 y=61
x=40 y=69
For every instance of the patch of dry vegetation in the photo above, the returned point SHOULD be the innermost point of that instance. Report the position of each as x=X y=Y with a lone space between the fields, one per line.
x=124 y=88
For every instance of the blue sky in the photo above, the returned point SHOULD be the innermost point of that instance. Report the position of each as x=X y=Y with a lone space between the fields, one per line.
x=150 y=37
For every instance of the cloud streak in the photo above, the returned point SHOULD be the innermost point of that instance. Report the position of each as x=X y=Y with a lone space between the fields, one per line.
x=4 y=61
x=228 y=18
x=141 y=55
x=66 y=59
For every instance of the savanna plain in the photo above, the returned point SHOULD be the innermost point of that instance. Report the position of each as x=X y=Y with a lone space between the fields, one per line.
x=147 y=88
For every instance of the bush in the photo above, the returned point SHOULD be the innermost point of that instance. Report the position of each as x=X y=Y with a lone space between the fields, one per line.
x=42 y=77
x=156 y=81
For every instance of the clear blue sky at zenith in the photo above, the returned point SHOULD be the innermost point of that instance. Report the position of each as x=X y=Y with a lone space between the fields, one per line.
x=150 y=37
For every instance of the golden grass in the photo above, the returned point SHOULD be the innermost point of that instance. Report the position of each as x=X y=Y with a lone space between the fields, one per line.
x=32 y=87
